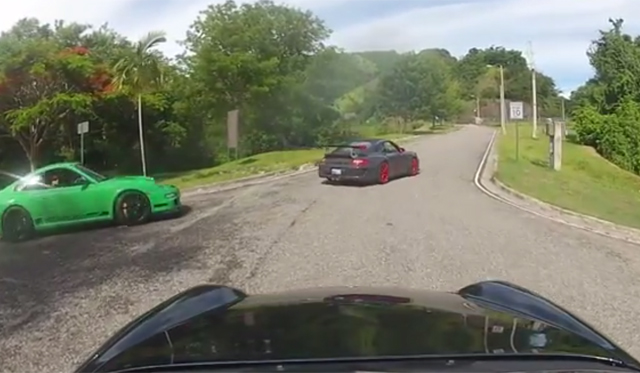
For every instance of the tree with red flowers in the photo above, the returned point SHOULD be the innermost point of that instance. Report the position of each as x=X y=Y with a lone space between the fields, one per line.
x=42 y=87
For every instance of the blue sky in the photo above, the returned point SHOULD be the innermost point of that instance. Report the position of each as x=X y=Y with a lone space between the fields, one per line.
x=560 y=31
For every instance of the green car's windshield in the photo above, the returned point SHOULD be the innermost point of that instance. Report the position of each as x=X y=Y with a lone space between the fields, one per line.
x=5 y=180
x=91 y=173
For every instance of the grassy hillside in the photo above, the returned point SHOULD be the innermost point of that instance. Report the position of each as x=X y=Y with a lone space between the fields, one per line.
x=587 y=183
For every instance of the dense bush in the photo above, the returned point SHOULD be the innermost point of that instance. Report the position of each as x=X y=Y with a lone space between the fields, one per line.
x=606 y=110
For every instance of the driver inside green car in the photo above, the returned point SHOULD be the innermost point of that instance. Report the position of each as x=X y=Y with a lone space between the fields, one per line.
x=54 y=181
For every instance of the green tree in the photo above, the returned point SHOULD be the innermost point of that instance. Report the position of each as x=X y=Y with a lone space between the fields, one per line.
x=478 y=79
x=605 y=110
x=421 y=86
x=137 y=73
x=384 y=61
x=43 y=86
x=615 y=57
x=254 y=57
x=333 y=73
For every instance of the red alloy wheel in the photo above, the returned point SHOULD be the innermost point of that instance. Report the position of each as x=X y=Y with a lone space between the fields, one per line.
x=384 y=173
x=415 y=167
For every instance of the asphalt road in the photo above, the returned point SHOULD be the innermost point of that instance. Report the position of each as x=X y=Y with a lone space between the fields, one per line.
x=60 y=296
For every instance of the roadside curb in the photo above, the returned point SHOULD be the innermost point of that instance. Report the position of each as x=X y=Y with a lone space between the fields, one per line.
x=248 y=181
x=268 y=177
x=486 y=181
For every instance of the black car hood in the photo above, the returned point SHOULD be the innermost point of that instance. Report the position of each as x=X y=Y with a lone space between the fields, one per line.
x=217 y=323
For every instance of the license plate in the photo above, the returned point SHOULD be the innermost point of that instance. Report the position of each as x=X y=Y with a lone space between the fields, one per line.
x=336 y=171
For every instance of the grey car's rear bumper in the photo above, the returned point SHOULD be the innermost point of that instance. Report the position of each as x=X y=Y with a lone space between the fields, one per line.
x=347 y=173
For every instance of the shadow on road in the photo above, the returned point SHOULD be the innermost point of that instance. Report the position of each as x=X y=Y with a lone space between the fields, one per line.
x=356 y=184
x=88 y=227
x=34 y=275
x=346 y=184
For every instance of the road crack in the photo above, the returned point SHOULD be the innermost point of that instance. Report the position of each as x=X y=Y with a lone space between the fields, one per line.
x=261 y=259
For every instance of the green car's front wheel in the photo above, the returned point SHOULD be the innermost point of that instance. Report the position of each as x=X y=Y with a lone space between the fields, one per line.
x=132 y=208
x=17 y=224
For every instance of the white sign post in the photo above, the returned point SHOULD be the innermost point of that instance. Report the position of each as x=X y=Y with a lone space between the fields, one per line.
x=82 y=129
x=516 y=111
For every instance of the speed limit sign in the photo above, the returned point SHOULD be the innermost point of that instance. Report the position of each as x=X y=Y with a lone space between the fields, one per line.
x=516 y=110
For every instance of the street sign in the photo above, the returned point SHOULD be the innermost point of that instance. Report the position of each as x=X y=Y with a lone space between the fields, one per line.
x=516 y=110
x=232 y=129
x=83 y=128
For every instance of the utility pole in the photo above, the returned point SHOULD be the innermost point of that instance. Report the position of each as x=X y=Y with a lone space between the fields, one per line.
x=143 y=156
x=564 y=118
x=534 y=92
x=503 y=108
x=534 y=103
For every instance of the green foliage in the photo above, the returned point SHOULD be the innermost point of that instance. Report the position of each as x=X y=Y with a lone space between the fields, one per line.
x=141 y=69
x=421 y=86
x=270 y=61
x=479 y=77
x=605 y=111
x=587 y=124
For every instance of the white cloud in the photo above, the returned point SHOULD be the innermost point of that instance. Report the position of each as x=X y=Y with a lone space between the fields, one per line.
x=173 y=17
x=128 y=16
x=559 y=30
x=174 y=20
x=95 y=12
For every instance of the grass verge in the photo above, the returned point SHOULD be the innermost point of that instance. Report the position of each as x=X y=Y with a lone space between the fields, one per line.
x=278 y=161
x=586 y=183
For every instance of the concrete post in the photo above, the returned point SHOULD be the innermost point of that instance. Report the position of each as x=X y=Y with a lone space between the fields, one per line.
x=555 y=133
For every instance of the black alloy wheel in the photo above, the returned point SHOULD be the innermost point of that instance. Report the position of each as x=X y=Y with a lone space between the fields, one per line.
x=17 y=225
x=132 y=208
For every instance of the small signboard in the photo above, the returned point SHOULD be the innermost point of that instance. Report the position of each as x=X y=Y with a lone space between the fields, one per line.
x=516 y=110
x=83 y=128
x=232 y=129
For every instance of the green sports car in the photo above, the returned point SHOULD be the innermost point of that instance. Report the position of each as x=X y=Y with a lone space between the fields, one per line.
x=64 y=194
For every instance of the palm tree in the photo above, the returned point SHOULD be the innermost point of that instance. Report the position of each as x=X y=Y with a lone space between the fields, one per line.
x=138 y=72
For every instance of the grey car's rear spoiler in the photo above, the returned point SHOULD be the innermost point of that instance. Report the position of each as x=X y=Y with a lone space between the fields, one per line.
x=353 y=148
x=345 y=146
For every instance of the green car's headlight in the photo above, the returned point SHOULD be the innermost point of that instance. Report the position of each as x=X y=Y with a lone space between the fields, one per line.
x=171 y=192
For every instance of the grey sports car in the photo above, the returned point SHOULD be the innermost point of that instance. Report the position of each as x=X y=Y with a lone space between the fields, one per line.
x=368 y=161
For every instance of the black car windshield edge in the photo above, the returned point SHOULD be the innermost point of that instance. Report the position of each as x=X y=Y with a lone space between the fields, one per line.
x=517 y=362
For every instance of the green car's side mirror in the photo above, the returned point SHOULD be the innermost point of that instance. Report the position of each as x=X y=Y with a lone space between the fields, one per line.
x=82 y=181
